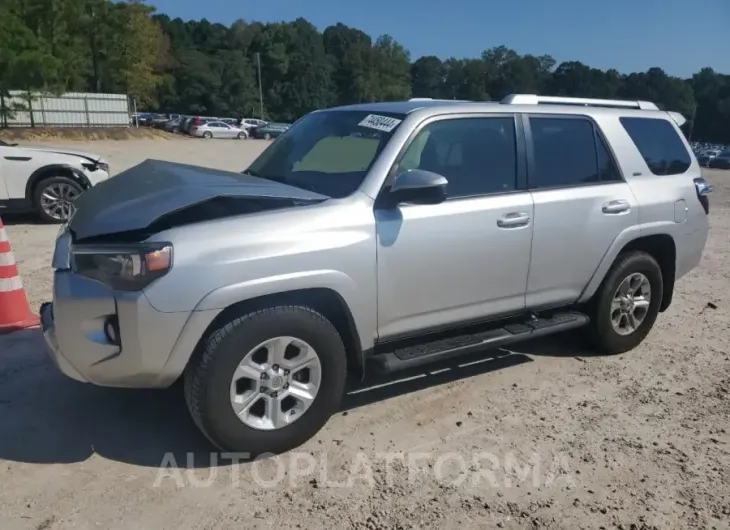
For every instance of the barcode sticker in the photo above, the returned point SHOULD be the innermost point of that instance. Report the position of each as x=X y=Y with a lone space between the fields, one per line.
x=381 y=123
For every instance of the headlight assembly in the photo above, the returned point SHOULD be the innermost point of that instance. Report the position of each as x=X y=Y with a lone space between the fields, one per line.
x=123 y=267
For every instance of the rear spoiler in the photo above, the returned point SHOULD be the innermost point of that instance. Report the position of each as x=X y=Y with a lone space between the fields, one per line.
x=678 y=118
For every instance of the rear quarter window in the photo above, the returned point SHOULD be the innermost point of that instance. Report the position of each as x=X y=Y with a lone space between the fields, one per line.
x=659 y=144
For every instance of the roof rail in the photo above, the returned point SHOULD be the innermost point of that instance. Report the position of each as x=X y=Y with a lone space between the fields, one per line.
x=534 y=99
x=438 y=99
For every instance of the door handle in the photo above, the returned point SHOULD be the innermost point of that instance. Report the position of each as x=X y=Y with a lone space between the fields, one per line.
x=513 y=220
x=613 y=207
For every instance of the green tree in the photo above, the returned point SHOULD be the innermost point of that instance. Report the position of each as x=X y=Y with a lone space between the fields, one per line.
x=201 y=67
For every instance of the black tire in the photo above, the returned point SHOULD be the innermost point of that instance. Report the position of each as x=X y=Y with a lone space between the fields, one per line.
x=242 y=136
x=44 y=184
x=600 y=332
x=209 y=375
x=207 y=135
x=267 y=136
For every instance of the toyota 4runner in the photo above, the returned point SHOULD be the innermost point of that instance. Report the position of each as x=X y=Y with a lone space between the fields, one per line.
x=385 y=234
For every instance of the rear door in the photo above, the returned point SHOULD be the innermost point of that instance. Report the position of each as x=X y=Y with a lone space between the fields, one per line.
x=582 y=203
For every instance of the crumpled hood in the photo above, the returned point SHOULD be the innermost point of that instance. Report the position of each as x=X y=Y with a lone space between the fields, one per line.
x=64 y=151
x=136 y=198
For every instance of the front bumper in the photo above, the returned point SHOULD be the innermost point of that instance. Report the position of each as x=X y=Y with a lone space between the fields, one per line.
x=49 y=333
x=74 y=330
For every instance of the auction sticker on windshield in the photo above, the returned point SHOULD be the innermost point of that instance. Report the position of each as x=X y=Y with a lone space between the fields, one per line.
x=381 y=123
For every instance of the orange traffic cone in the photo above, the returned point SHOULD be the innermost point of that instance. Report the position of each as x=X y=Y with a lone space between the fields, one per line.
x=15 y=313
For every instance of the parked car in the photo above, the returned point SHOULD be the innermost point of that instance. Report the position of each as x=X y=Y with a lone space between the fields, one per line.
x=197 y=121
x=218 y=129
x=186 y=124
x=47 y=180
x=158 y=121
x=174 y=125
x=143 y=118
x=704 y=157
x=270 y=130
x=721 y=161
x=250 y=123
x=264 y=290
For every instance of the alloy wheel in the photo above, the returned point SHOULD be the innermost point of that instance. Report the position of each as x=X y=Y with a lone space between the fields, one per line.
x=275 y=383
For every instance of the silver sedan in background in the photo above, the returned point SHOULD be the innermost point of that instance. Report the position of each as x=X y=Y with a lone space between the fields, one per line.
x=218 y=129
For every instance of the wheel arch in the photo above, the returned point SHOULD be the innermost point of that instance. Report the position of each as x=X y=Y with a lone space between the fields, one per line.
x=53 y=170
x=326 y=301
x=660 y=245
x=664 y=250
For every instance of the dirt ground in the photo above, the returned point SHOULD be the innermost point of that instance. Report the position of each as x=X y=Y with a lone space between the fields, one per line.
x=542 y=436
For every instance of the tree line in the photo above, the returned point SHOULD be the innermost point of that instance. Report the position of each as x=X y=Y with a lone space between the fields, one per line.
x=199 y=67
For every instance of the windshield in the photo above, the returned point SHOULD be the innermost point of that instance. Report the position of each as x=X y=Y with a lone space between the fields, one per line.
x=327 y=152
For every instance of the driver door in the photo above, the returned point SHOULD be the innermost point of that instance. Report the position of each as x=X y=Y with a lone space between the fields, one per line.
x=467 y=258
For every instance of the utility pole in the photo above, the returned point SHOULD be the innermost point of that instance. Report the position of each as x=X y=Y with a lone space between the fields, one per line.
x=134 y=106
x=261 y=93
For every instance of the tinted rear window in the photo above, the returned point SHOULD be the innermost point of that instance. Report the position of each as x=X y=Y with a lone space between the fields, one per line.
x=659 y=145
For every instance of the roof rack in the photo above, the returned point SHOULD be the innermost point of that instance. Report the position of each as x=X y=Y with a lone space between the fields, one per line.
x=534 y=99
x=437 y=99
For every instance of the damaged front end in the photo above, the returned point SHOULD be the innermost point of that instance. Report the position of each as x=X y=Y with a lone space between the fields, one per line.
x=156 y=195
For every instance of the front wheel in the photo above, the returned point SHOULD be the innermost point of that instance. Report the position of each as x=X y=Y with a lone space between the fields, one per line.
x=242 y=136
x=54 y=198
x=267 y=136
x=268 y=381
x=627 y=304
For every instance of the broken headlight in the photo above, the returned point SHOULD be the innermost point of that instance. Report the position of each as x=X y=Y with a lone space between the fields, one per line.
x=123 y=267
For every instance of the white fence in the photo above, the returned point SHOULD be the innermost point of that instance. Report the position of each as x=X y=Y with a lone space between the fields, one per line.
x=72 y=109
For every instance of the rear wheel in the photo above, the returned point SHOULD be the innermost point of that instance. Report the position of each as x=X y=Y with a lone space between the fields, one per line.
x=627 y=304
x=267 y=381
x=54 y=198
x=267 y=136
x=207 y=135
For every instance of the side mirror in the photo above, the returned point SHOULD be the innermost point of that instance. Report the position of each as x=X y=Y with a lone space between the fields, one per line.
x=419 y=187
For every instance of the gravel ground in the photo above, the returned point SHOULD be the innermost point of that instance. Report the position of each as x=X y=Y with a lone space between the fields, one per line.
x=543 y=436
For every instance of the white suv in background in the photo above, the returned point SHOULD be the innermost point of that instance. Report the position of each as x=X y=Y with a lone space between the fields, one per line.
x=252 y=123
x=46 y=179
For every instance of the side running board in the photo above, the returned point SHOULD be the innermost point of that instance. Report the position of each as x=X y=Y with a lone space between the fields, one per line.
x=446 y=348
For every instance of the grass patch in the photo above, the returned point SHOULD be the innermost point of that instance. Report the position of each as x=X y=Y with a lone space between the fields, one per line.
x=84 y=133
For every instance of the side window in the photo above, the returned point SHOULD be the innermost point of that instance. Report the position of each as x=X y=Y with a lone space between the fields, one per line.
x=565 y=152
x=476 y=155
x=659 y=145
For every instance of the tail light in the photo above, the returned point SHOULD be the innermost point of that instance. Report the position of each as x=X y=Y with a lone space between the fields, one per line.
x=703 y=189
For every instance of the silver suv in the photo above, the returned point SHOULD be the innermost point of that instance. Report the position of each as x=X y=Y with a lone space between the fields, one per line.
x=385 y=234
